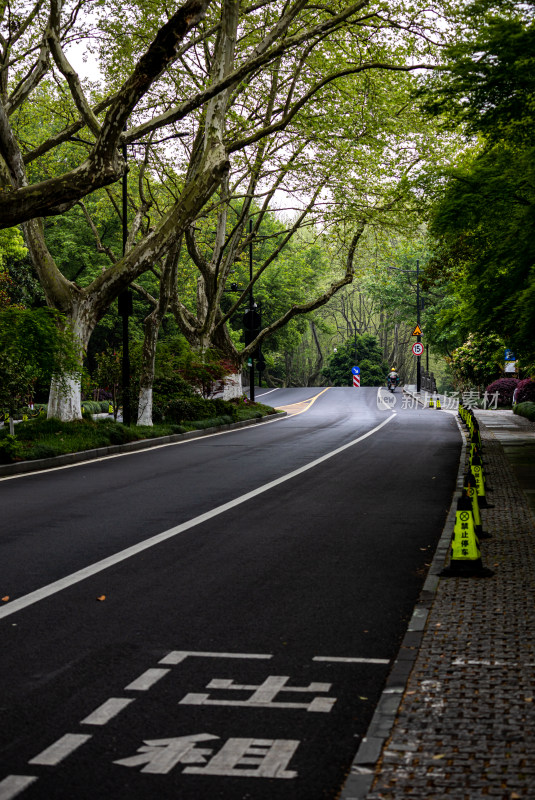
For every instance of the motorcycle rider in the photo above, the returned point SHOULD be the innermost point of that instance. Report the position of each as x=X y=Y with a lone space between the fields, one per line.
x=392 y=379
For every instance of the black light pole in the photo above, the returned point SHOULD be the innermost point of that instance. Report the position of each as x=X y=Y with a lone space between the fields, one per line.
x=125 y=308
x=251 y=306
x=418 y=338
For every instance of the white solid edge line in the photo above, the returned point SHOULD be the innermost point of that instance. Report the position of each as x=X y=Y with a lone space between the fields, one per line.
x=90 y=461
x=155 y=446
x=122 y=555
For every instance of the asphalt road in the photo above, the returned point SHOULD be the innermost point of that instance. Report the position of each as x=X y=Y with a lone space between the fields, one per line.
x=216 y=618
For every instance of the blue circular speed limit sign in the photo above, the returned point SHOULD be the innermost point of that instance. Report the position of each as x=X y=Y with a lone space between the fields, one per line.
x=417 y=348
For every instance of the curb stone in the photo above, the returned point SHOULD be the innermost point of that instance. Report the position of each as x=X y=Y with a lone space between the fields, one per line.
x=22 y=467
x=363 y=768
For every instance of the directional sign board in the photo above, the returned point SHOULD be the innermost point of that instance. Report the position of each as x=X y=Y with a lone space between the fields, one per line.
x=417 y=331
x=355 y=370
x=417 y=348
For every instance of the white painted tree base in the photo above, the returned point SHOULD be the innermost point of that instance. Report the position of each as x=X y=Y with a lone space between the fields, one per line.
x=233 y=386
x=65 y=400
x=144 y=413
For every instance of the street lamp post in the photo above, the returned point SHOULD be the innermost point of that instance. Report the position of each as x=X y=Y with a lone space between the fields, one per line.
x=418 y=338
x=251 y=306
x=125 y=307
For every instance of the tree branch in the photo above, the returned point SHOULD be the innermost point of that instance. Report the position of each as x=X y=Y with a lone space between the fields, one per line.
x=73 y=81
x=305 y=308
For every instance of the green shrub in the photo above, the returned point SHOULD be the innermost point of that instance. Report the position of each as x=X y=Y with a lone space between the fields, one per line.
x=10 y=449
x=170 y=388
x=226 y=409
x=92 y=406
x=211 y=422
x=191 y=409
x=46 y=451
x=184 y=409
x=34 y=429
x=526 y=409
x=157 y=415
x=116 y=432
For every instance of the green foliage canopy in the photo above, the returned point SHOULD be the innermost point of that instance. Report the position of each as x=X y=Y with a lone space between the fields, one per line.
x=362 y=351
x=34 y=345
x=484 y=217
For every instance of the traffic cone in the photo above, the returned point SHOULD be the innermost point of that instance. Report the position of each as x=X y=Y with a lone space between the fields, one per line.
x=470 y=424
x=438 y=406
x=476 y=468
x=431 y=402
x=471 y=492
x=475 y=449
x=475 y=433
x=465 y=555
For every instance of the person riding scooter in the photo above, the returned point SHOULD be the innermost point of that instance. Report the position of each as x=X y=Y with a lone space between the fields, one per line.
x=392 y=379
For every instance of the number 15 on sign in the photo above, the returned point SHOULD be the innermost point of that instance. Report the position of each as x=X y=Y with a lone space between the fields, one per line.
x=417 y=348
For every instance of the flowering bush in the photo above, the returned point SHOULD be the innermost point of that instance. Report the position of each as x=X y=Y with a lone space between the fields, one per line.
x=505 y=388
x=525 y=391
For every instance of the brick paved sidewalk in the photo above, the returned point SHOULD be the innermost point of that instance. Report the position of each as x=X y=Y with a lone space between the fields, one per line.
x=465 y=723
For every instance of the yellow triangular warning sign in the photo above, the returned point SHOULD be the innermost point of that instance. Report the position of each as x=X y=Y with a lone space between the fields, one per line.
x=417 y=331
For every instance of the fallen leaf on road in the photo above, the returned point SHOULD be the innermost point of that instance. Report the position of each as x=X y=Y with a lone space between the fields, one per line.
x=436 y=758
x=528 y=699
x=5 y=599
x=102 y=597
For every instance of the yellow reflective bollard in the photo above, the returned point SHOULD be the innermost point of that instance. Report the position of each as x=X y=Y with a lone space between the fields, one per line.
x=465 y=554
